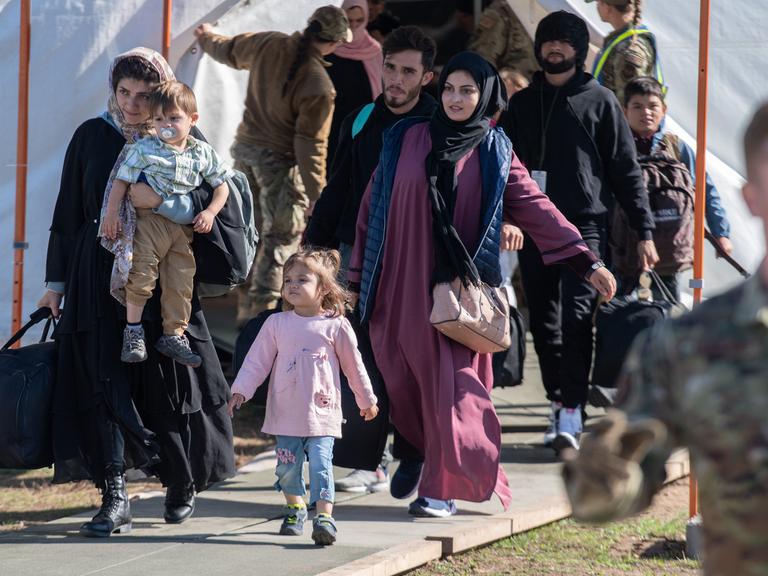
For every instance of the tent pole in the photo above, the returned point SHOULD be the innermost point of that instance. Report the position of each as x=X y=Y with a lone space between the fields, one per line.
x=19 y=242
x=167 y=10
x=701 y=170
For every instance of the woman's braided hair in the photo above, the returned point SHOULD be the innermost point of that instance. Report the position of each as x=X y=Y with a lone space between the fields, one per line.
x=638 y=13
x=636 y=5
x=311 y=33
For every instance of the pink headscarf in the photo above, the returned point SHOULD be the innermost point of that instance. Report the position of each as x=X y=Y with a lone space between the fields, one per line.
x=364 y=48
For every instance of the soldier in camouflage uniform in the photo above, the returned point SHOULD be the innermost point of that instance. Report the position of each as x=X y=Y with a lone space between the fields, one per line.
x=281 y=143
x=501 y=39
x=700 y=381
x=629 y=51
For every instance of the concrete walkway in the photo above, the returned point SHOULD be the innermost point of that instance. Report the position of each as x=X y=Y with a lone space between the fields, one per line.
x=234 y=529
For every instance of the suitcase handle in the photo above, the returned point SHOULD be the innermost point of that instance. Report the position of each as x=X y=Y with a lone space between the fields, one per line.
x=36 y=317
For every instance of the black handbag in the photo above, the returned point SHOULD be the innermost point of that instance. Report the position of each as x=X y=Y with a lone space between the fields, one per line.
x=26 y=391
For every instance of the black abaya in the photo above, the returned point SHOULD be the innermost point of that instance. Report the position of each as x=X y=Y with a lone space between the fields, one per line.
x=172 y=419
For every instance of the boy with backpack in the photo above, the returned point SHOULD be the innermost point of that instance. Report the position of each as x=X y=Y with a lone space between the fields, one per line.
x=669 y=170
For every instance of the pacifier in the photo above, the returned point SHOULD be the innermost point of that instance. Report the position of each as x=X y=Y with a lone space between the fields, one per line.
x=167 y=133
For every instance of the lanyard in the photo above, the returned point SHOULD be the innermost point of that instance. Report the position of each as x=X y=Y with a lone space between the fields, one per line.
x=545 y=124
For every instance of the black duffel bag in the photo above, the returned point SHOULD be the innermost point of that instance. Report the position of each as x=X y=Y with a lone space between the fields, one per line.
x=26 y=392
x=617 y=324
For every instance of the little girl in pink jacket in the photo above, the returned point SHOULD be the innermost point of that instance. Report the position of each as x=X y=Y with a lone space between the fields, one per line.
x=303 y=348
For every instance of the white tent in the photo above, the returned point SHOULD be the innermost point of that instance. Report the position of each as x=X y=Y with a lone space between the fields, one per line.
x=73 y=42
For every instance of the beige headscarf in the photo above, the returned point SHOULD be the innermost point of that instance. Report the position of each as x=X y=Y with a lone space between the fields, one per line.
x=122 y=246
x=133 y=132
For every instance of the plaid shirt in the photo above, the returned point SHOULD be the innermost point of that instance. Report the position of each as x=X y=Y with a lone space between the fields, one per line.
x=170 y=171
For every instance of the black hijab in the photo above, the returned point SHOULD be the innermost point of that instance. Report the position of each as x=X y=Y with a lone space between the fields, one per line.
x=451 y=141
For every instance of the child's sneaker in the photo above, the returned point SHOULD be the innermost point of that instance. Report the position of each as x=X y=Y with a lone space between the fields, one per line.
x=134 y=348
x=293 y=522
x=324 y=530
x=177 y=347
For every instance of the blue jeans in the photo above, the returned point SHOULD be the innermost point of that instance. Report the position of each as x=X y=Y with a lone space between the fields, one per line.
x=291 y=451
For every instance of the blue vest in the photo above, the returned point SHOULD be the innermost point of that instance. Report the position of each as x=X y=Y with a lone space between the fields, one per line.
x=495 y=158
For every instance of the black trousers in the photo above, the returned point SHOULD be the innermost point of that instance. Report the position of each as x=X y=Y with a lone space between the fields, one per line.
x=561 y=305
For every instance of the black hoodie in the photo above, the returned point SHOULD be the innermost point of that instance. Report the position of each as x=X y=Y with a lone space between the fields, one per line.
x=334 y=218
x=588 y=151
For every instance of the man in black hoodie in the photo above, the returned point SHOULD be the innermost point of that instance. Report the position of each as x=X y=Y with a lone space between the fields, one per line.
x=572 y=136
x=409 y=57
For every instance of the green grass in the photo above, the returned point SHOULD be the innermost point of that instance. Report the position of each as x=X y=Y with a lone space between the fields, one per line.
x=639 y=546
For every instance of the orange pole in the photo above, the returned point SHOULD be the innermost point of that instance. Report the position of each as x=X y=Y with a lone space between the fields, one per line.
x=19 y=242
x=167 y=11
x=700 y=202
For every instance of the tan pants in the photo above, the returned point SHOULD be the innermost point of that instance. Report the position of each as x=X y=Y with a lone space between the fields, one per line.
x=162 y=249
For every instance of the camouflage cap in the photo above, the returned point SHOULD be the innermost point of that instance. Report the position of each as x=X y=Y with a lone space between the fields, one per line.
x=333 y=23
x=612 y=2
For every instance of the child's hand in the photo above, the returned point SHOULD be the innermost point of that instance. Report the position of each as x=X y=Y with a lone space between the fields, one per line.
x=203 y=222
x=370 y=413
x=110 y=226
x=234 y=404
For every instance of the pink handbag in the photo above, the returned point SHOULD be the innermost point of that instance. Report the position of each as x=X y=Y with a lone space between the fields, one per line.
x=475 y=316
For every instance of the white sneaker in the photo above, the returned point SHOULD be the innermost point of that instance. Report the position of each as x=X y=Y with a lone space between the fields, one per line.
x=362 y=481
x=554 y=416
x=569 y=429
x=432 y=508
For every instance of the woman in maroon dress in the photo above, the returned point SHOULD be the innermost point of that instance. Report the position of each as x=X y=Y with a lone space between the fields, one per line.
x=440 y=180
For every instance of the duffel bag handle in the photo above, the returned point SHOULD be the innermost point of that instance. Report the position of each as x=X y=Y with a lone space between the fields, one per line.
x=36 y=317
x=664 y=289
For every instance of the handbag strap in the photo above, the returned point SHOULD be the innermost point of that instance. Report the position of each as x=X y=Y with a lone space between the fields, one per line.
x=35 y=318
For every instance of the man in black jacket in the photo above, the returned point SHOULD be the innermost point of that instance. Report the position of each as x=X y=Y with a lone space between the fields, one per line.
x=572 y=136
x=409 y=56
x=408 y=60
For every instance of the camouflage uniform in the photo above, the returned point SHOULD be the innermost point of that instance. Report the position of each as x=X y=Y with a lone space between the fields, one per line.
x=704 y=377
x=282 y=201
x=242 y=155
x=501 y=39
x=629 y=59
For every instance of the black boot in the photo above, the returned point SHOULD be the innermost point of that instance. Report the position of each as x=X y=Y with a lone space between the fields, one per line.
x=115 y=512
x=179 y=503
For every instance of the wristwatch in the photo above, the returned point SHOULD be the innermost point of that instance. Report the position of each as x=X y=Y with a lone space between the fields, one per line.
x=596 y=266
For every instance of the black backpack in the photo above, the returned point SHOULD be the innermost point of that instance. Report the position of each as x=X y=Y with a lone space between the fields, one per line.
x=670 y=193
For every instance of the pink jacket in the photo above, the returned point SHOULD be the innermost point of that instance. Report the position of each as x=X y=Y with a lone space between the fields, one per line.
x=303 y=355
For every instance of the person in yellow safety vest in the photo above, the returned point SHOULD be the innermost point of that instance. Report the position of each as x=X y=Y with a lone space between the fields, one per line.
x=630 y=51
